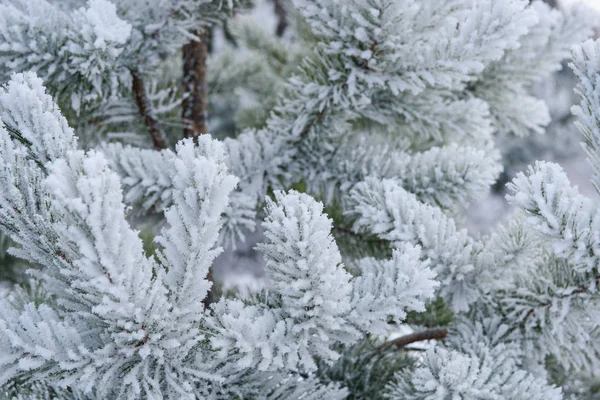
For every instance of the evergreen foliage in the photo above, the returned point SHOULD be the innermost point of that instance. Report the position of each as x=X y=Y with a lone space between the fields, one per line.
x=350 y=145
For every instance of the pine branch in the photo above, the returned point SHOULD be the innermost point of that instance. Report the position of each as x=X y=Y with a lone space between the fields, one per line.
x=16 y=135
x=577 y=291
x=159 y=139
x=195 y=87
x=195 y=105
x=430 y=334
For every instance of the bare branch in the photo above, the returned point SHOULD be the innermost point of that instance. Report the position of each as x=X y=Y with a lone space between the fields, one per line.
x=159 y=140
x=282 y=15
x=430 y=334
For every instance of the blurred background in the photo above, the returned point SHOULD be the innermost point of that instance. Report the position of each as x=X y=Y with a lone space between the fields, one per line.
x=592 y=3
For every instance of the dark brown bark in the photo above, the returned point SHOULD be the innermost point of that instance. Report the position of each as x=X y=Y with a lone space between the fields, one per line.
x=282 y=16
x=195 y=104
x=159 y=140
x=347 y=231
x=211 y=296
x=430 y=334
x=551 y=3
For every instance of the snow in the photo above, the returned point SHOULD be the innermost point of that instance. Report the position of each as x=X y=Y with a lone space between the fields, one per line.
x=595 y=4
x=108 y=27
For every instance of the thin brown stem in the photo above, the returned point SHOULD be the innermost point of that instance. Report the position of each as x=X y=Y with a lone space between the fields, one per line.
x=430 y=334
x=579 y=290
x=195 y=104
x=281 y=13
x=347 y=231
x=159 y=140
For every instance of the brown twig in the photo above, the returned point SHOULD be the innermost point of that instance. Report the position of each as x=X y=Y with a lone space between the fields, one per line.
x=577 y=291
x=195 y=102
x=282 y=15
x=159 y=140
x=430 y=334
x=347 y=231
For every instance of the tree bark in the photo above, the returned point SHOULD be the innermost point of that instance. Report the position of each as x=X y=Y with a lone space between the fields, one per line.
x=159 y=140
x=551 y=3
x=195 y=104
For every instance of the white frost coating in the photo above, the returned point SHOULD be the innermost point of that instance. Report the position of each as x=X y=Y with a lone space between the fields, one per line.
x=32 y=132
x=553 y=302
x=256 y=337
x=477 y=362
x=386 y=110
x=586 y=65
x=124 y=324
x=505 y=84
x=201 y=187
x=387 y=289
x=79 y=50
x=377 y=34
x=312 y=301
x=108 y=28
x=570 y=221
x=385 y=209
x=144 y=174
x=27 y=108
x=305 y=273
x=45 y=339
x=450 y=374
x=76 y=48
x=149 y=186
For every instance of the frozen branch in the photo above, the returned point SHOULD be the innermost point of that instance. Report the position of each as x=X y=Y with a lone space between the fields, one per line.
x=430 y=334
x=159 y=139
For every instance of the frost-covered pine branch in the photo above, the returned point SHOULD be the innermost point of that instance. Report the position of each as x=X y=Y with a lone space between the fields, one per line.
x=474 y=364
x=96 y=54
x=311 y=120
x=354 y=141
x=561 y=299
x=505 y=85
x=120 y=323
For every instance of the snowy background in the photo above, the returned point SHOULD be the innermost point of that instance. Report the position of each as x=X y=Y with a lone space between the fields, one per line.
x=593 y=3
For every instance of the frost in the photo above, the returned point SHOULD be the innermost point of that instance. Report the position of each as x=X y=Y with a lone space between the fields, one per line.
x=352 y=144
x=106 y=25
x=148 y=317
